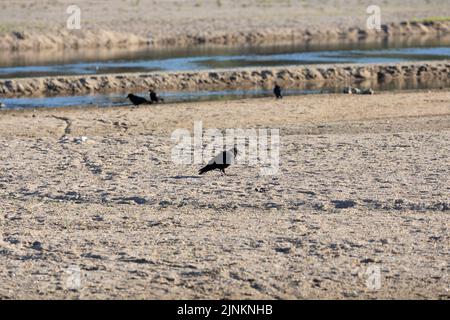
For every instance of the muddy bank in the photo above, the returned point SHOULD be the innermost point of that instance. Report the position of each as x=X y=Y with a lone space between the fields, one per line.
x=30 y=40
x=33 y=24
x=65 y=39
x=289 y=77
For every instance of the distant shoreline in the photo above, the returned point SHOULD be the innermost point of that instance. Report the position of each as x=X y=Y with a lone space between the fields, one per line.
x=66 y=39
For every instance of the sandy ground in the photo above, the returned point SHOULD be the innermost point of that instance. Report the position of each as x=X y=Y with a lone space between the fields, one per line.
x=131 y=22
x=363 y=185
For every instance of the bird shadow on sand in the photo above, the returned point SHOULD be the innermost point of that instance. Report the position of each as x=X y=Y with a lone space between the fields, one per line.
x=224 y=175
x=185 y=177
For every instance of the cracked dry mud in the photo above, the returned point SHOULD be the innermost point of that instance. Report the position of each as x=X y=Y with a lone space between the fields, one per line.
x=363 y=182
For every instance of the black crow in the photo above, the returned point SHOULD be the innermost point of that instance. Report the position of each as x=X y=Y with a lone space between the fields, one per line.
x=277 y=92
x=221 y=161
x=154 y=97
x=136 y=100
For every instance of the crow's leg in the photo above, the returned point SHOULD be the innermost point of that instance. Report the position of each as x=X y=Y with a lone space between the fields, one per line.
x=223 y=172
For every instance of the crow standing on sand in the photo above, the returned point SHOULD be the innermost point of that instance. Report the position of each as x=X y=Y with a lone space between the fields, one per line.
x=277 y=92
x=154 y=97
x=221 y=161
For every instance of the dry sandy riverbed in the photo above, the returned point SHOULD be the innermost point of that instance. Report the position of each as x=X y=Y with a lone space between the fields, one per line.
x=363 y=183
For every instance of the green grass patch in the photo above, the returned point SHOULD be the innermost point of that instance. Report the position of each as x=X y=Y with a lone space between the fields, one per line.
x=432 y=19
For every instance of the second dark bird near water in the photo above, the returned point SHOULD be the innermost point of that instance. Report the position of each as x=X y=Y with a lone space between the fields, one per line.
x=277 y=92
x=221 y=161
x=136 y=100
x=154 y=97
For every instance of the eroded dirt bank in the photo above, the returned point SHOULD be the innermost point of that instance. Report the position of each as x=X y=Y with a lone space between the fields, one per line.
x=289 y=77
x=32 y=24
x=29 y=40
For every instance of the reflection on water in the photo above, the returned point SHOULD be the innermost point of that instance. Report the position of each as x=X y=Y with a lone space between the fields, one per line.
x=70 y=62
x=119 y=99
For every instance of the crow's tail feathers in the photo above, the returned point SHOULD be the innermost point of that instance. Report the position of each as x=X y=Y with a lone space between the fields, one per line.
x=205 y=169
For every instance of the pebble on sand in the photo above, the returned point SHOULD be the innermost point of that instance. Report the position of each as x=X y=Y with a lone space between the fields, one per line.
x=37 y=246
x=80 y=139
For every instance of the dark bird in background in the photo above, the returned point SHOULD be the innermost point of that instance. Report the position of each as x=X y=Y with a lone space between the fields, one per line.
x=154 y=97
x=221 y=161
x=277 y=92
x=136 y=100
